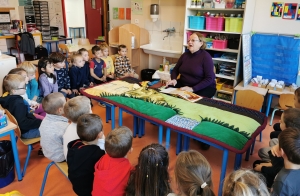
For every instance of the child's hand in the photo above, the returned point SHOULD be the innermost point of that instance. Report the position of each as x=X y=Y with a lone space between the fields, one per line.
x=69 y=91
x=91 y=84
x=33 y=107
x=64 y=90
x=75 y=91
x=259 y=166
x=103 y=79
x=276 y=151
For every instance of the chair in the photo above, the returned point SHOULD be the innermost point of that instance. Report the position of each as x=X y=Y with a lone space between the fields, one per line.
x=285 y=101
x=63 y=167
x=91 y=55
x=83 y=41
x=63 y=48
x=27 y=142
x=17 y=47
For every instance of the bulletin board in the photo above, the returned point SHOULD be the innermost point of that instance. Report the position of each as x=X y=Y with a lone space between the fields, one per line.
x=55 y=15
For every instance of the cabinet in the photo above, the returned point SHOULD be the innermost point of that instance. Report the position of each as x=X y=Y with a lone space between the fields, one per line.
x=227 y=80
x=123 y=35
x=7 y=63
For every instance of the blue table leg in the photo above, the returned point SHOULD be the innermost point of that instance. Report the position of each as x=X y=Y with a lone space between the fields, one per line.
x=248 y=153
x=186 y=143
x=270 y=97
x=143 y=127
x=179 y=143
x=108 y=113
x=120 y=114
x=135 y=125
x=16 y=154
x=113 y=118
x=160 y=134
x=48 y=45
x=238 y=161
x=223 y=171
x=56 y=43
x=252 y=148
x=71 y=41
x=234 y=97
x=168 y=134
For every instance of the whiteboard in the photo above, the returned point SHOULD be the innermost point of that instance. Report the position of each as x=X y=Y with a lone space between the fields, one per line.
x=4 y=18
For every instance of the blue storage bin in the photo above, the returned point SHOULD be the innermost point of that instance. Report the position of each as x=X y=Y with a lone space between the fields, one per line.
x=196 y=22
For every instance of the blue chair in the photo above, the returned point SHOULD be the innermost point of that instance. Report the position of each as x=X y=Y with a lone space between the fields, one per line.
x=285 y=101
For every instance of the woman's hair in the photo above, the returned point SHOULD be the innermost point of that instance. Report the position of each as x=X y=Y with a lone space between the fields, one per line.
x=244 y=182
x=43 y=62
x=150 y=176
x=193 y=174
x=28 y=66
x=12 y=71
x=291 y=117
x=202 y=39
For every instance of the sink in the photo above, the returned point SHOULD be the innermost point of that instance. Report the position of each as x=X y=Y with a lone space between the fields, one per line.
x=163 y=50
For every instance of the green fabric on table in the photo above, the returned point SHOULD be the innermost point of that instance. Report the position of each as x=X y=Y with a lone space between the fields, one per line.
x=147 y=108
x=199 y=112
x=228 y=136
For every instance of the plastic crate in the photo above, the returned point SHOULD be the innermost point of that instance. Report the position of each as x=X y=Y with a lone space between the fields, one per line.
x=214 y=23
x=196 y=22
x=219 y=44
x=233 y=24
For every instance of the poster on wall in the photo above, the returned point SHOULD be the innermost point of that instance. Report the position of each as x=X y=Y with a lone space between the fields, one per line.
x=298 y=14
x=128 y=13
x=289 y=11
x=137 y=7
x=247 y=61
x=276 y=9
x=115 y=13
x=121 y=13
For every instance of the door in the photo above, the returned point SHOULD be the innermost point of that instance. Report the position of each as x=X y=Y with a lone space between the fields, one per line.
x=93 y=19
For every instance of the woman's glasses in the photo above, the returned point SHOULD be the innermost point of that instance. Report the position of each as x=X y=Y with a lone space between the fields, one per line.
x=193 y=40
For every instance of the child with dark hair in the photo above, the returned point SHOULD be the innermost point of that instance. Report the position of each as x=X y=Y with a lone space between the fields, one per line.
x=83 y=153
x=244 y=182
x=122 y=64
x=150 y=176
x=47 y=77
x=97 y=66
x=287 y=180
x=113 y=169
x=62 y=76
x=193 y=174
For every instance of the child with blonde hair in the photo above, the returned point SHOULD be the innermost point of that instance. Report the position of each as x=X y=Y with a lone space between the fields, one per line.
x=244 y=182
x=47 y=77
x=110 y=68
x=150 y=176
x=193 y=174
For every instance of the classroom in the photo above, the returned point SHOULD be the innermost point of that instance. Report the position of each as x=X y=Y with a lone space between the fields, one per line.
x=135 y=63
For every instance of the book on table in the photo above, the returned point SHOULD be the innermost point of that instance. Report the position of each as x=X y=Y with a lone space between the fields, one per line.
x=189 y=96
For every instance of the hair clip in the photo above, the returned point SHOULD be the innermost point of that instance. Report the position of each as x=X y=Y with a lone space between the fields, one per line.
x=203 y=185
x=151 y=149
x=147 y=175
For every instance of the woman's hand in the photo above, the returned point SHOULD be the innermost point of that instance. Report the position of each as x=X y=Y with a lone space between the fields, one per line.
x=171 y=83
x=186 y=88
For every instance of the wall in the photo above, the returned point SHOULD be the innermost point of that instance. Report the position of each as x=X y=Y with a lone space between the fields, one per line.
x=14 y=14
x=262 y=22
x=171 y=14
x=121 y=4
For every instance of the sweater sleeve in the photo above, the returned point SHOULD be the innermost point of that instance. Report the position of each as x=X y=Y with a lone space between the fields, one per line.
x=72 y=74
x=44 y=85
x=32 y=89
x=118 y=69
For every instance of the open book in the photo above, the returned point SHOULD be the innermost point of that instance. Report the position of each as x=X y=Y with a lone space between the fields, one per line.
x=189 y=96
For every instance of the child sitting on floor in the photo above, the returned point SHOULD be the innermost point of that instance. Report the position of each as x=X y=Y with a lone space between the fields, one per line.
x=113 y=169
x=53 y=127
x=97 y=66
x=47 y=77
x=150 y=176
x=15 y=85
x=83 y=153
x=122 y=64
x=110 y=68
x=85 y=55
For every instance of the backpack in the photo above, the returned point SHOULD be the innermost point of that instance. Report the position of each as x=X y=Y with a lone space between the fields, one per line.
x=40 y=52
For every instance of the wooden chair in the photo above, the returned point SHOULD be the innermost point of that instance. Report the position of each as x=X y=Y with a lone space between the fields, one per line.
x=27 y=142
x=63 y=48
x=91 y=55
x=83 y=41
x=285 y=101
x=62 y=166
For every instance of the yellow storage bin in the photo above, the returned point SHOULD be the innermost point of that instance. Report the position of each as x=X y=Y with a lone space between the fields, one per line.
x=233 y=24
x=219 y=85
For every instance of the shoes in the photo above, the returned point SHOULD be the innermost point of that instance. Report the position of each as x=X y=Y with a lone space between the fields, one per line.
x=101 y=104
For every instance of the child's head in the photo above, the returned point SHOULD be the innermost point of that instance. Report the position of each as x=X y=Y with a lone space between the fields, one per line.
x=289 y=142
x=297 y=98
x=84 y=53
x=290 y=118
x=244 y=182
x=58 y=60
x=54 y=103
x=122 y=50
x=77 y=60
x=20 y=71
x=97 y=52
x=89 y=127
x=30 y=68
x=14 y=84
x=118 y=142
x=45 y=65
x=76 y=107
x=104 y=49
x=193 y=174
x=151 y=173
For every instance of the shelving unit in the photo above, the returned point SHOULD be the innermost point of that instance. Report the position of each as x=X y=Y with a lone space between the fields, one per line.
x=123 y=35
x=42 y=18
x=237 y=62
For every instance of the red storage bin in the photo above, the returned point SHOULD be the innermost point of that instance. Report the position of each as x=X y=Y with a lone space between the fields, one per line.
x=214 y=23
x=219 y=44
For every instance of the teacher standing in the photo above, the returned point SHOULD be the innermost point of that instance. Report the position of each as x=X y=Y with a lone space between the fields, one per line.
x=196 y=69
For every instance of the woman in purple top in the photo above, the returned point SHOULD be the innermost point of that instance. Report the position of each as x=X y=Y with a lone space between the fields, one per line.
x=196 y=69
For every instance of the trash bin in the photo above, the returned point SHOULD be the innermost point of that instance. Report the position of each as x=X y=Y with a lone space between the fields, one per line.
x=147 y=74
x=7 y=172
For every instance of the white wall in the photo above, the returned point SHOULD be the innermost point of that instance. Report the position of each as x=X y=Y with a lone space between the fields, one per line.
x=263 y=22
x=14 y=14
x=75 y=15
x=119 y=4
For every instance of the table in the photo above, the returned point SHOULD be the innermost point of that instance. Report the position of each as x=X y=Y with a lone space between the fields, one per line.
x=9 y=130
x=75 y=48
x=74 y=31
x=49 y=42
x=99 y=40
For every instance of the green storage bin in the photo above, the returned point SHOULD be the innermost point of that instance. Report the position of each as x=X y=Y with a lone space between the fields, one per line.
x=233 y=24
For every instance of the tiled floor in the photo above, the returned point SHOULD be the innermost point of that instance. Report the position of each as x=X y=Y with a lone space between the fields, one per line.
x=58 y=184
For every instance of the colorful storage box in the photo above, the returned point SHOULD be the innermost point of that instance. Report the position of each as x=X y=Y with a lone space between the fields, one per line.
x=214 y=23
x=233 y=24
x=196 y=22
x=219 y=44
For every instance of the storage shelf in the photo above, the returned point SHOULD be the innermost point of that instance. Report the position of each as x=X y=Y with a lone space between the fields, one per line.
x=215 y=98
x=223 y=91
x=210 y=31
x=216 y=9
x=223 y=50
x=225 y=77
x=224 y=60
